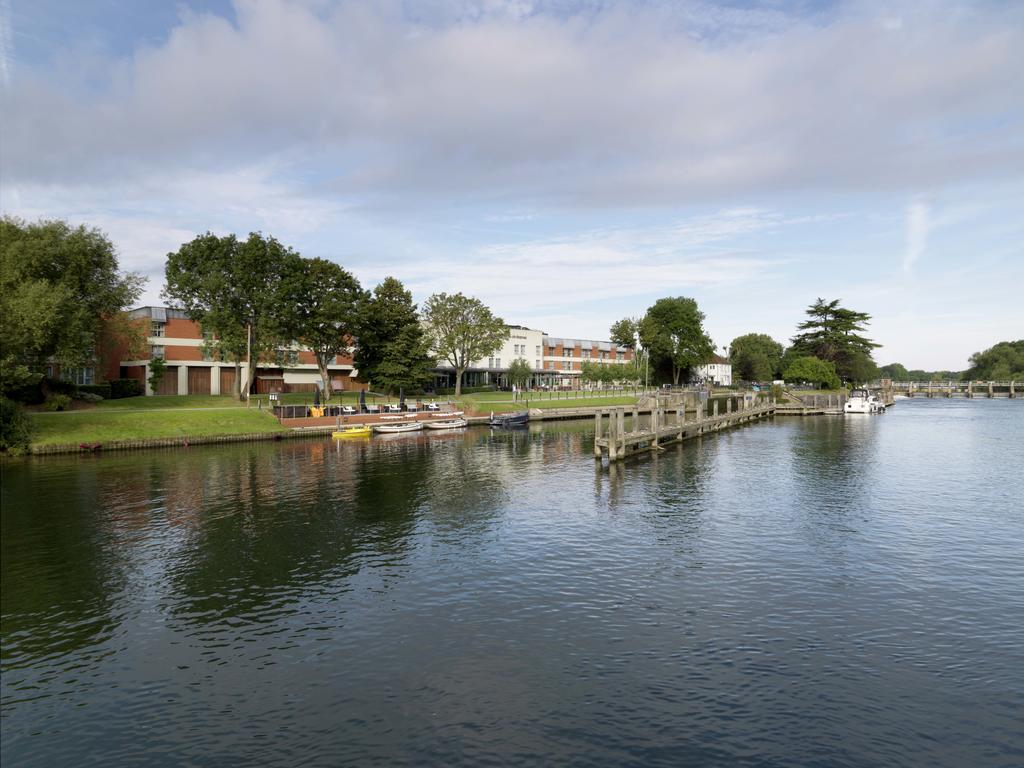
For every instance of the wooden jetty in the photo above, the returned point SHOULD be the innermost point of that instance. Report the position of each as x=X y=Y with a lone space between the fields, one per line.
x=666 y=426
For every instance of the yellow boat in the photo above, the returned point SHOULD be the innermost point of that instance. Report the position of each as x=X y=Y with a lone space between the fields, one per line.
x=361 y=430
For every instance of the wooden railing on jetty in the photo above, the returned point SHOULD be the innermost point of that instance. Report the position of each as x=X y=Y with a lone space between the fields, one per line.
x=666 y=426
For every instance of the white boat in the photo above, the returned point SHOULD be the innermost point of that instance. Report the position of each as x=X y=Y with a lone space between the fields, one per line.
x=861 y=401
x=446 y=424
x=390 y=429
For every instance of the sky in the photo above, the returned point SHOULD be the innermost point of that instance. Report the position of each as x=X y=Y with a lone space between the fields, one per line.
x=568 y=163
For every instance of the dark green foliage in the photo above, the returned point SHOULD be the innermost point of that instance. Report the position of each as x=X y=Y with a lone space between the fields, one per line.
x=756 y=357
x=120 y=388
x=834 y=334
x=461 y=329
x=57 y=284
x=57 y=403
x=814 y=371
x=391 y=349
x=239 y=292
x=157 y=369
x=894 y=371
x=519 y=373
x=15 y=427
x=1002 y=362
x=673 y=332
x=325 y=303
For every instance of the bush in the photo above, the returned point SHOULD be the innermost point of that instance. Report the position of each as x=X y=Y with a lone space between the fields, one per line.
x=59 y=387
x=57 y=403
x=124 y=388
x=29 y=392
x=103 y=390
x=89 y=397
x=15 y=427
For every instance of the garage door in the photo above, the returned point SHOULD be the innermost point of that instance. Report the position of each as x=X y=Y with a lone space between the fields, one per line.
x=198 y=380
x=169 y=383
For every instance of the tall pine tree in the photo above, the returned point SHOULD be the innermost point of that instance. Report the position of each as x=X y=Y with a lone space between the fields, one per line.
x=835 y=334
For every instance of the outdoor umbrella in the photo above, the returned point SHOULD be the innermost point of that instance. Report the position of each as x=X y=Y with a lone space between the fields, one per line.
x=401 y=398
x=362 y=401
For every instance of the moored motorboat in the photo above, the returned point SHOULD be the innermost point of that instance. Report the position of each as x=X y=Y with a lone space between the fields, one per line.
x=391 y=429
x=509 y=420
x=861 y=401
x=446 y=424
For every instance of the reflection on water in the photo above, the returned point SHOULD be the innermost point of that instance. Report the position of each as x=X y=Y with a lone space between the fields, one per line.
x=822 y=591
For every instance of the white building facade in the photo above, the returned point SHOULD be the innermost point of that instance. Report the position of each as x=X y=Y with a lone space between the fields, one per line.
x=718 y=371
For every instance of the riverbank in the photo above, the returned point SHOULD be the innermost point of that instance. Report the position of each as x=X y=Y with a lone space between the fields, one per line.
x=159 y=422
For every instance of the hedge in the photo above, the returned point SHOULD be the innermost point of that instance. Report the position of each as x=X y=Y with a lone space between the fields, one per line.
x=124 y=388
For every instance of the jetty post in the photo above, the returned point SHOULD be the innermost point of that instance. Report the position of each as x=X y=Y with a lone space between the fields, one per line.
x=714 y=409
x=598 y=423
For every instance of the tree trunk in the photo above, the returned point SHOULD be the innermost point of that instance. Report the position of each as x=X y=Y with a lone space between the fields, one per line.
x=458 y=381
x=237 y=385
x=675 y=375
x=321 y=363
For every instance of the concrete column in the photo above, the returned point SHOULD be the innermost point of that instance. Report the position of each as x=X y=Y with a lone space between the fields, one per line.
x=215 y=380
x=990 y=392
x=145 y=373
x=728 y=405
x=597 y=434
x=1011 y=391
x=655 y=424
x=636 y=420
x=969 y=393
x=714 y=409
x=182 y=379
x=613 y=435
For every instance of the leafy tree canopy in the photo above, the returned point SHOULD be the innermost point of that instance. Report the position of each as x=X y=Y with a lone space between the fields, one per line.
x=519 y=372
x=58 y=284
x=391 y=348
x=835 y=334
x=231 y=288
x=1002 y=362
x=326 y=303
x=462 y=329
x=894 y=371
x=756 y=357
x=814 y=371
x=673 y=331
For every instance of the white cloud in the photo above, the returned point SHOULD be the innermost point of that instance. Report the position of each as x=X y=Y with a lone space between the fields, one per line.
x=616 y=106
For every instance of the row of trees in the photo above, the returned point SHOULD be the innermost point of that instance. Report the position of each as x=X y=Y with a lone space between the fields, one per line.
x=255 y=299
x=828 y=348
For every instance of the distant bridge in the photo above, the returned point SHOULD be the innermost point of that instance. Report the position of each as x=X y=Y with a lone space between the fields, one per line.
x=954 y=388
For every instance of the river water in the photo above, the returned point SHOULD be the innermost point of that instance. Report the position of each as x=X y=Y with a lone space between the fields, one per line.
x=803 y=592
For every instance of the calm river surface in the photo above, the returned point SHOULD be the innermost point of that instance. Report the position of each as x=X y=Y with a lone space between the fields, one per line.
x=816 y=592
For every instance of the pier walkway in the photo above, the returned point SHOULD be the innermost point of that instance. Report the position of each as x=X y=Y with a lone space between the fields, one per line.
x=666 y=426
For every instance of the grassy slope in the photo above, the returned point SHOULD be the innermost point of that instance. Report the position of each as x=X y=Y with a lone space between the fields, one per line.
x=501 y=402
x=98 y=426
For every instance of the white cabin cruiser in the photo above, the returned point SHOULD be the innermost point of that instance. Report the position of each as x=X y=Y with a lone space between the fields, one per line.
x=861 y=401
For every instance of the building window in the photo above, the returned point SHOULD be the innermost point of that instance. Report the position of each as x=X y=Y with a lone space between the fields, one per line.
x=156 y=351
x=538 y=351
x=536 y=364
x=620 y=356
x=81 y=376
x=156 y=329
x=497 y=362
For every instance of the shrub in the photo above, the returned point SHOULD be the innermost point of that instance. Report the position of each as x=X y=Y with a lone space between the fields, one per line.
x=57 y=403
x=59 y=387
x=15 y=427
x=124 y=388
x=89 y=397
x=103 y=390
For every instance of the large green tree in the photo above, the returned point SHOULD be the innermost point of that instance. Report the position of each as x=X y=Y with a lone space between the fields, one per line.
x=519 y=373
x=391 y=348
x=240 y=292
x=835 y=334
x=673 y=331
x=894 y=371
x=1002 y=362
x=812 y=370
x=462 y=329
x=326 y=302
x=756 y=357
x=58 y=285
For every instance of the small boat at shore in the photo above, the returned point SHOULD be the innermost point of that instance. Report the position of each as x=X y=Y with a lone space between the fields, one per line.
x=358 y=430
x=446 y=424
x=392 y=429
x=861 y=401
x=509 y=420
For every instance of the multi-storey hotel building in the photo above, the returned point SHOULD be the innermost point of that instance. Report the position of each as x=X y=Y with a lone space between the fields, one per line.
x=192 y=368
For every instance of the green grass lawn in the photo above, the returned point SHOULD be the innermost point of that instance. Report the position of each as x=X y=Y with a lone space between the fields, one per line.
x=162 y=402
x=100 y=426
x=502 y=402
